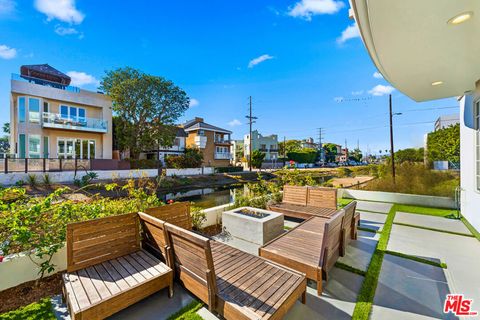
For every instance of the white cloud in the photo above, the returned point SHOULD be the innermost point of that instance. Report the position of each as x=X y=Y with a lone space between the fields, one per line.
x=63 y=10
x=194 y=102
x=338 y=99
x=258 y=60
x=65 y=31
x=377 y=75
x=81 y=78
x=307 y=8
x=349 y=33
x=381 y=90
x=6 y=52
x=234 y=123
x=7 y=7
x=357 y=93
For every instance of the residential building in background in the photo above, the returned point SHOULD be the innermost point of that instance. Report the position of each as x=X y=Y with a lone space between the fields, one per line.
x=177 y=148
x=342 y=154
x=51 y=119
x=265 y=144
x=309 y=143
x=214 y=142
x=447 y=121
x=237 y=151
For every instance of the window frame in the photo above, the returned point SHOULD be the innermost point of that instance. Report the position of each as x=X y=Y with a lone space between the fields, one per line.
x=34 y=155
x=22 y=112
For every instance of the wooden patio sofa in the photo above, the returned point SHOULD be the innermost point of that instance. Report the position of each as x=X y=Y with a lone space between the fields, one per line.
x=303 y=202
x=312 y=247
x=107 y=270
x=234 y=284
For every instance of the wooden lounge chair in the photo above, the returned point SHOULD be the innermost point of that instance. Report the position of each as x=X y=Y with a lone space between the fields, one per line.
x=303 y=202
x=349 y=224
x=312 y=247
x=177 y=213
x=233 y=283
x=107 y=270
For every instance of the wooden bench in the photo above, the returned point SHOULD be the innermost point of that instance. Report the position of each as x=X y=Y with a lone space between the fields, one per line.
x=107 y=270
x=312 y=247
x=350 y=224
x=303 y=202
x=177 y=213
x=235 y=284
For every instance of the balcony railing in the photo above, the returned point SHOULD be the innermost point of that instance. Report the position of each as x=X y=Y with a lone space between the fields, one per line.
x=42 y=82
x=222 y=155
x=58 y=121
x=222 y=141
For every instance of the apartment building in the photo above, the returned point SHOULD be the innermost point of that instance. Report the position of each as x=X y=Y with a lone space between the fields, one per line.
x=51 y=119
x=214 y=142
x=265 y=144
x=446 y=121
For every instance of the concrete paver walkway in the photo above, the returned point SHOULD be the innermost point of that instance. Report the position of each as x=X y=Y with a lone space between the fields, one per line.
x=441 y=223
x=407 y=289
x=359 y=253
x=461 y=254
x=371 y=220
x=381 y=207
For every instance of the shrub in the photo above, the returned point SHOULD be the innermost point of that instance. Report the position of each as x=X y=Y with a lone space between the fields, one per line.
x=198 y=217
x=46 y=180
x=257 y=159
x=145 y=164
x=344 y=172
x=32 y=180
x=86 y=179
x=192 y=158
x=444 y=144
x=306 y=155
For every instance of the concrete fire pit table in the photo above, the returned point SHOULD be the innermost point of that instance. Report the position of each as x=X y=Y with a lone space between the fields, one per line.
x=251 y=224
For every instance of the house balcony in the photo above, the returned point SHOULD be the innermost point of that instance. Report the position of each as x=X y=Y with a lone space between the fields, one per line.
x=58 y=121
x=222 y=141
x=45 y=83
x=222 y=155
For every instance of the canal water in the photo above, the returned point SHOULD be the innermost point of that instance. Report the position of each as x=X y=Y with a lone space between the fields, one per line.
x=204 y=197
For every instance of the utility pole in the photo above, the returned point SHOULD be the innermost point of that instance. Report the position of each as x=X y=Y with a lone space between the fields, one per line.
x=320 y=147
x=392 y=150
x=284 y=149
x=251 y=120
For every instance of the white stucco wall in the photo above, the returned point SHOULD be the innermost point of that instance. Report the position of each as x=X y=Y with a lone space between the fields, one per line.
x=470 y=197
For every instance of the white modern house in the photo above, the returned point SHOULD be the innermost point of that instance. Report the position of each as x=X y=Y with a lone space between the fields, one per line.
x=446 y=121
x=265 y=144
x=429 y=50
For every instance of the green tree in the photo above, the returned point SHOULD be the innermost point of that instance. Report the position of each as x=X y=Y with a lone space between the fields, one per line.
x=306 y=155
x=257 y=159
x=356 y=155
x=289 y=146
x=147 y=106
x=6 y=127
x=409 y=155
x=330 y=151
x=444 y=144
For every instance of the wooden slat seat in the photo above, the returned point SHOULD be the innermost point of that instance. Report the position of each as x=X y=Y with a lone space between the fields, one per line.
x=253 y=283
x=233 y=283
x=107 y=270
x=105 y=288
x=312 y=247
x=303 y=202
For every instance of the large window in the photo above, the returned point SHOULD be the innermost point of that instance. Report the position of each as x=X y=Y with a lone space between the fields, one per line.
x=34 y=146
x=21 y=109
x=76 y=148
x=477 y=143
x=21 y=146
x=73 y=113
x=34 y=110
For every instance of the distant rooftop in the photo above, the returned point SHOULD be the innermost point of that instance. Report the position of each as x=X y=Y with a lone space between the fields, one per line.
x=198 y=123
x=45 y=72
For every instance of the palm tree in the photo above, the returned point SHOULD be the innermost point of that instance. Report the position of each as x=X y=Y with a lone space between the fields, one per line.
x=6 y=127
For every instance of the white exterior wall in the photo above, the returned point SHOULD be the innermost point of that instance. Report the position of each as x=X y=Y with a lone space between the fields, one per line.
x=470 y=197
x=270 y=142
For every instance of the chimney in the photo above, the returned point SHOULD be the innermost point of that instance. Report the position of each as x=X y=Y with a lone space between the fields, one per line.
x=198 y=119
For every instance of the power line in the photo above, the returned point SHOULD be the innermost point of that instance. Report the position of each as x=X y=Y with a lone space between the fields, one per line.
x=251 y=120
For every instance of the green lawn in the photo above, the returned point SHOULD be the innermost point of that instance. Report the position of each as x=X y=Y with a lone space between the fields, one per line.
x=447 y=213
x=189 y=312
x=343 y=202
x=41 y=310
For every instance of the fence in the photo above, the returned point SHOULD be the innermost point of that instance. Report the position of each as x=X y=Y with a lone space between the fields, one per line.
x=26 y=165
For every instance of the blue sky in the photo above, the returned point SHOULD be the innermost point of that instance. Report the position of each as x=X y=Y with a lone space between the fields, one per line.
x=301 y=61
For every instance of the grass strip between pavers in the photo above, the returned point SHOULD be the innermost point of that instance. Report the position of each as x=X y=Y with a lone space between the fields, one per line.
x=41 y=310
x=351 y=269
x=434 y=229
x=472 y=229
x=363 y=307
x=369 y=230
x=189 y=312
x=417 y=259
